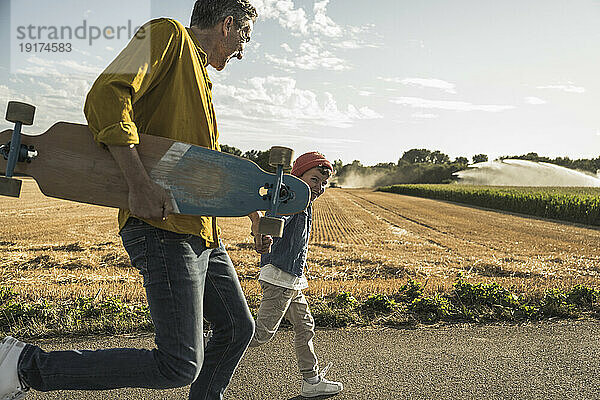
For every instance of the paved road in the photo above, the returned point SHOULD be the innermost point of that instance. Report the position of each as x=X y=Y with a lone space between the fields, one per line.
x=551 y=360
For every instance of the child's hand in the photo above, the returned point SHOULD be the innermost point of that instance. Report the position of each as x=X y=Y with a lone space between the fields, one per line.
x=262 y=243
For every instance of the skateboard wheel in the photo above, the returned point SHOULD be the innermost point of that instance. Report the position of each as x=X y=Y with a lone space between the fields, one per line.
x=281 y=156
x=20 y=112
x=10 y=187
x=271 y=226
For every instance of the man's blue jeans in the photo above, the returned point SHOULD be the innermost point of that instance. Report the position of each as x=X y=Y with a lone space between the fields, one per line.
x=184 y=282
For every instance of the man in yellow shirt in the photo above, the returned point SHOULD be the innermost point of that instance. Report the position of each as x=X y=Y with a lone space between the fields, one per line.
x=158 y=85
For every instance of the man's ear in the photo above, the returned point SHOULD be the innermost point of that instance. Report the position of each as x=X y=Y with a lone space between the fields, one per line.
x=227 y=25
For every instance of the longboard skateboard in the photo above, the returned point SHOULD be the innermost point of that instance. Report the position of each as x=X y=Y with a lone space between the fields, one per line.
x=67 y=164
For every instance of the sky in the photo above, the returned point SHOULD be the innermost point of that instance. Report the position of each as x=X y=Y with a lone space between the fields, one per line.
x=354 y=80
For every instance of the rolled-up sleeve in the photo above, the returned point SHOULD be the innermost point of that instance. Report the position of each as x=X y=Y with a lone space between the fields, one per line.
x=122 y=133
x=136 y=70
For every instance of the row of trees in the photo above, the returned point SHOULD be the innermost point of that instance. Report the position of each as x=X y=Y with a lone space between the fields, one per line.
x=415 y=156
x=415 y=166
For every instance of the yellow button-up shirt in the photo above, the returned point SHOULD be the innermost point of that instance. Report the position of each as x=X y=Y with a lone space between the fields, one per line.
x=158 y=85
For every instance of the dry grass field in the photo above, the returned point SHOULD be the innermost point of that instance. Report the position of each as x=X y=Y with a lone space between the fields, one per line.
x=362 y=242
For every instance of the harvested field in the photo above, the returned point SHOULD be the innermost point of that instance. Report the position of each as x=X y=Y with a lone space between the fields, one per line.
x=362 y=242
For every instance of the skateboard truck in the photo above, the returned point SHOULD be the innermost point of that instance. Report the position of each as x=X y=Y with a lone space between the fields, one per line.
x=281 y=158
x=21 y=114
x=25 y=153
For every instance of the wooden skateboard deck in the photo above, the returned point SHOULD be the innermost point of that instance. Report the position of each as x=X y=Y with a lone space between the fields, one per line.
x=70 y=165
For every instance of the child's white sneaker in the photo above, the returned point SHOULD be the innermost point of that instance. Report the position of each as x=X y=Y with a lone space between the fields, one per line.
x=323 y=387
x=10 y=384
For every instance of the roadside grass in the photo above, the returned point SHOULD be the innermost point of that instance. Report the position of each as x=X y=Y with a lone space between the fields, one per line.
x=410 y=305
x=466 y=302
x=80 y=317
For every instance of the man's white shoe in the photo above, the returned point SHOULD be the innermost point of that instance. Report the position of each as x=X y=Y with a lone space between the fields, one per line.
x=10 y=384
x=322 y=388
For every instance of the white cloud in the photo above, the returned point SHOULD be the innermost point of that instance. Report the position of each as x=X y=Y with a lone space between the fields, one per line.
x=284 y=12
x=352 y=38
x=349 y=45
x=425 y=116
x=56 y=97
x=315 y=139
x=322 y=23
x=4 y=92
x=308 y=62
x=37 y=66
x=278 y=100
x=362 y=113
x=424 y=82
x=448 y=105
x=296 y=19
x=365 y=93
x=534 y=100
x=57 y=88
x=320 y=32
x=430 y=83
x=568 y=87
x=311 y=55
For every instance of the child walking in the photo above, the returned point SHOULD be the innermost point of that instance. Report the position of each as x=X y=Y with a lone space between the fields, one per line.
x=282 y=280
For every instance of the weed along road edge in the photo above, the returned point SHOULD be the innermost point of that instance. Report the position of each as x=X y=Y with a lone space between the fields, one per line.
x=549 y=360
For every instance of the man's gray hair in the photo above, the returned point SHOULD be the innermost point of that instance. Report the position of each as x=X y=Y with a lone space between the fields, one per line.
x=208 y=13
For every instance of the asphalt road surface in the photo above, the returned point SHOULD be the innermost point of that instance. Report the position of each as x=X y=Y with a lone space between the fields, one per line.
x=550 y=360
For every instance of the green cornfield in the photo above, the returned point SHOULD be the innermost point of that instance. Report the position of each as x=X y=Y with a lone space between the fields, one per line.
x=580 y=205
